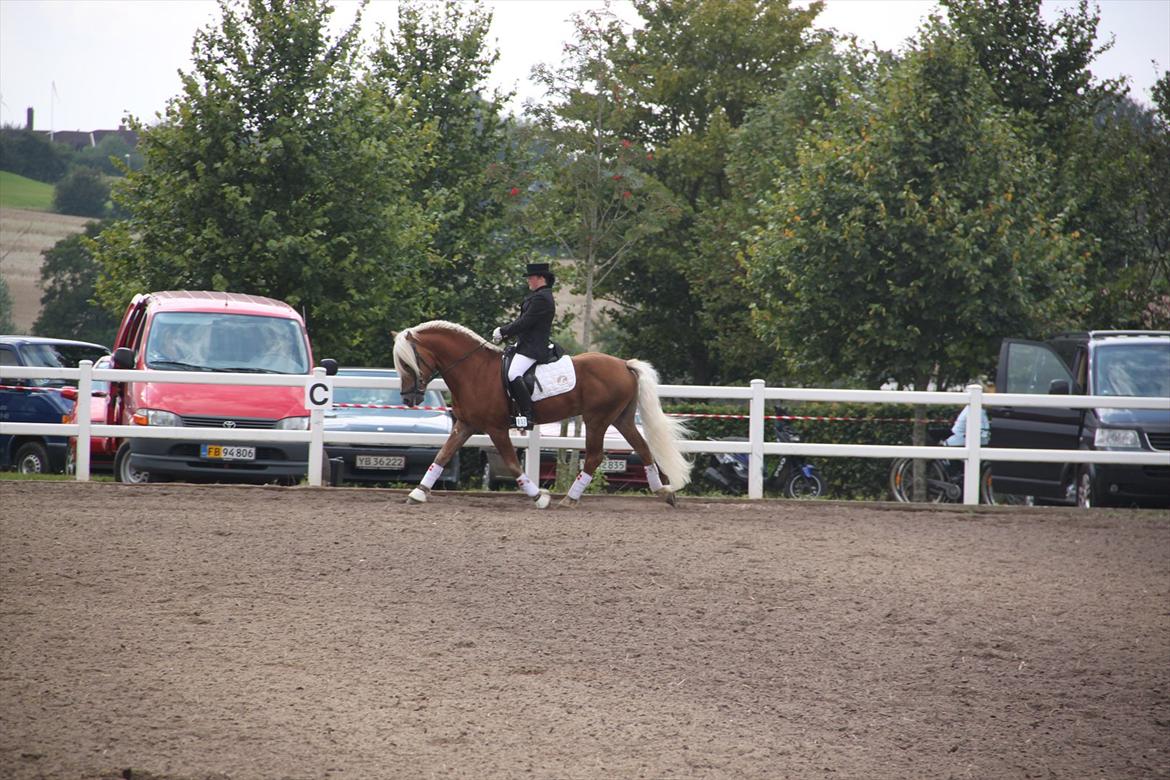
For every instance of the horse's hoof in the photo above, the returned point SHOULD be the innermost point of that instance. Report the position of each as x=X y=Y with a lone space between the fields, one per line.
x=669 y=496
x=568 y=503
x=417 y=496
x=543 y=500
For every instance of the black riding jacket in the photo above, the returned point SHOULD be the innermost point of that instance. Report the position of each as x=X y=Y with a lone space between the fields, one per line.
x=533 y=328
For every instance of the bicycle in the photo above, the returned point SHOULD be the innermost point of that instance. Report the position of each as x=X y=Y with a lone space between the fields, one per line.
x=944 y=479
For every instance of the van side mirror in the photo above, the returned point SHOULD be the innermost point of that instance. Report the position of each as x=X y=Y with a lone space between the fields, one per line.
x=330 y=366
x=124 y=358
x=1058 y=387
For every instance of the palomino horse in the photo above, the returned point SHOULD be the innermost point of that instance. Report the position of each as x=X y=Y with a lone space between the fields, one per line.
x=608 y=391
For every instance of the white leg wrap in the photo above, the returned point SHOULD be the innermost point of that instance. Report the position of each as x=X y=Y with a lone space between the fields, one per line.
x=652 y=478
x=433 y=473
x=525 y=484
x=579 y=484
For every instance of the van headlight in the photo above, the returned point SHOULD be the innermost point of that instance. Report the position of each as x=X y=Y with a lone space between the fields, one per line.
x=157 y=417
x=1117 y=439
x=293 y=424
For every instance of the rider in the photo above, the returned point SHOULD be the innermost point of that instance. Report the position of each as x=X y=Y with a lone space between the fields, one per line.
x=532 y=330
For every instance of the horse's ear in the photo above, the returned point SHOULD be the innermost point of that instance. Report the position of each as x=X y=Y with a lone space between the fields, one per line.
x=393 y=335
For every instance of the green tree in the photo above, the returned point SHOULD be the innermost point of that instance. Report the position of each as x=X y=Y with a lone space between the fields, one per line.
x=439 y=59
x=68 y=275
x=33 y=155
x=280 y=171
x=586 y=194
x=83 y=192
x=6 y=323
x=694 y=70
x=112 y=156
x=914 y=236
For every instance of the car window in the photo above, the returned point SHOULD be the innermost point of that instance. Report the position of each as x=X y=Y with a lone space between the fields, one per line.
x=1141 y=370
x=208 y=341
x=1033 y=367
x=52 y=356
x=379 y=396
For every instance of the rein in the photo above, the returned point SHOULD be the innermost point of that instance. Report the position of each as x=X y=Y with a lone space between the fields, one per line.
x=437 y=370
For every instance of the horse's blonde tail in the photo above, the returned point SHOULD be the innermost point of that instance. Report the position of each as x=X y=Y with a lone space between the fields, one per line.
x=661 y=431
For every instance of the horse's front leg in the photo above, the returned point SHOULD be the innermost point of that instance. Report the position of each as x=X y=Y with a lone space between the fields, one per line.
x=459 y=436
x=503 y=444
x=594 y=454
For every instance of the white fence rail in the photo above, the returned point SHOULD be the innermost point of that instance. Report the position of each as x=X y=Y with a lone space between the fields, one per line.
x=757 y=394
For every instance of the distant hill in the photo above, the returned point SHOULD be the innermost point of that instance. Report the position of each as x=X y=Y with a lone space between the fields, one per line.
x=24 y=235
x=18 y=192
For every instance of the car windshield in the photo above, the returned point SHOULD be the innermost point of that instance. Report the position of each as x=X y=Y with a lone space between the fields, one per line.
x=1139 y=370
x=380 y=396
x=58 y=356
x=237 y=343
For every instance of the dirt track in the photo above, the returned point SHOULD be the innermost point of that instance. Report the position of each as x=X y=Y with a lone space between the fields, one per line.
x=235 y=632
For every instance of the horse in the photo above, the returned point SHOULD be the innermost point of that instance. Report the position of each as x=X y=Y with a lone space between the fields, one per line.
x=608 y=391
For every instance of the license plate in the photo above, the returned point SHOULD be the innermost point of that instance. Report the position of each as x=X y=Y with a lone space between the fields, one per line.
x=220 y=452
x=613 y=465
x=388 y=462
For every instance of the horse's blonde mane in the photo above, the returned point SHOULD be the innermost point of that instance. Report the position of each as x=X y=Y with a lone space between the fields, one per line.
x=404 y=355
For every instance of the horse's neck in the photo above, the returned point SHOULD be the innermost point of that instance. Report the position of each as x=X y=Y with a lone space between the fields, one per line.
x=462 y=361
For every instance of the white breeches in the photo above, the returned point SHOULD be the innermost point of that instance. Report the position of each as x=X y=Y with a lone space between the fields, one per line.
x=520 y=364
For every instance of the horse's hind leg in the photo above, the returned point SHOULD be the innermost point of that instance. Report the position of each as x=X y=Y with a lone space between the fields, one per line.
x=594 y=451
x=627 y=428
x=458 y=437
x=503 y=443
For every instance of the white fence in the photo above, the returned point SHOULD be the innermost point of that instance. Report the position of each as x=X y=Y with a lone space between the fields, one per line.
x=756 y=395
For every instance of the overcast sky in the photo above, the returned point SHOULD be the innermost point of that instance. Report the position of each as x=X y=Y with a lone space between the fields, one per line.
x=107 y=58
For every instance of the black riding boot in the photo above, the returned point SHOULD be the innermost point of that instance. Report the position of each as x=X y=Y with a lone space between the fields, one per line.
x=524 y=416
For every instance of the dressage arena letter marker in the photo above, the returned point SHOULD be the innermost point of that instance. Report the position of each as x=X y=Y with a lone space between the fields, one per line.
x=319 y=394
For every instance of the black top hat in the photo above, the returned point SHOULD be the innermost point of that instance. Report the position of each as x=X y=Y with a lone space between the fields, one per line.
x=541 y=269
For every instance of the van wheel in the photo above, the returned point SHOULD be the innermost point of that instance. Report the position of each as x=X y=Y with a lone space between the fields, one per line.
x=1087 y=494
x=124 y=472
x=32 y=458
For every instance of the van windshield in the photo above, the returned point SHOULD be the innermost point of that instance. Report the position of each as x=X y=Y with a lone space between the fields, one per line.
x=237 y=343
x=1139 y=370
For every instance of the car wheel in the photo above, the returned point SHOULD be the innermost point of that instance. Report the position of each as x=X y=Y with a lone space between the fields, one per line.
x=489 y=479
x=124 y=472
x=32 y=458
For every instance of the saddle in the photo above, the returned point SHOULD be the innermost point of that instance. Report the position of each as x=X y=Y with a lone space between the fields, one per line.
x=552 y=376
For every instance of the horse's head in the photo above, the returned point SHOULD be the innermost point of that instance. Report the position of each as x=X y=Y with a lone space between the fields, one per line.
x=416 y=368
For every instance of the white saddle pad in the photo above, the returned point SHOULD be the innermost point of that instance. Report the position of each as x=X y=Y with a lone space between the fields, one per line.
x=554 y=378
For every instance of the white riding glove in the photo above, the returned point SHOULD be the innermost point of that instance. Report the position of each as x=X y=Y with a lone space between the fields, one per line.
x=497 y=336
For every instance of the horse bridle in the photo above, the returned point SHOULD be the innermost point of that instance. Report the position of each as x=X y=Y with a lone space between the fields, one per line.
x=413 y=395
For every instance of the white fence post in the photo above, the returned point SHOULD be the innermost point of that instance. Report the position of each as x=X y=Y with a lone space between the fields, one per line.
x=756 y=440
x=532 y=454
x=316 y=435
x=84 y=396
x=972 y=466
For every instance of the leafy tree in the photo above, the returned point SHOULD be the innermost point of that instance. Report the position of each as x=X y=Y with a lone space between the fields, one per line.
x=280 y=171
x=914 y=235
x=6 y=323
x=82 y=193
x=438 y=58
x=33 y=155
x=694 y=70
x=586 y=194
x=112 y=156
x=68 y=275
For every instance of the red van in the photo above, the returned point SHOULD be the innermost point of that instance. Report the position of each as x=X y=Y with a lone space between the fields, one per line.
x=210 y=332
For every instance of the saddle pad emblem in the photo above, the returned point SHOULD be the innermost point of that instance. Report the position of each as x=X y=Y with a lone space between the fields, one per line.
x=554 y=378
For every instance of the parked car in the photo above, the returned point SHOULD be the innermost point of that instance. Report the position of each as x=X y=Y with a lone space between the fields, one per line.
x=1105 y=363
x=622 y=467
x=210 y=332
x=102 y=449
x=363 y=409
x=38 y=400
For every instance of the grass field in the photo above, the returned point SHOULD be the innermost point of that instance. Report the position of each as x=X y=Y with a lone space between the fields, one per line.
x=17 y=192
x=24 y=236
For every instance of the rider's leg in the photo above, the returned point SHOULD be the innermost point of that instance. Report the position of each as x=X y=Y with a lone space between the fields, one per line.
x=521 y=363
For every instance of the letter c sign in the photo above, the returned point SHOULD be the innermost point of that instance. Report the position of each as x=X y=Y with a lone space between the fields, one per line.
x=319 y=394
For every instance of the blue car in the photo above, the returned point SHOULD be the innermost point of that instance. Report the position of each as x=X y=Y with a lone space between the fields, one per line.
x=38 y=400
x=365 y=409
